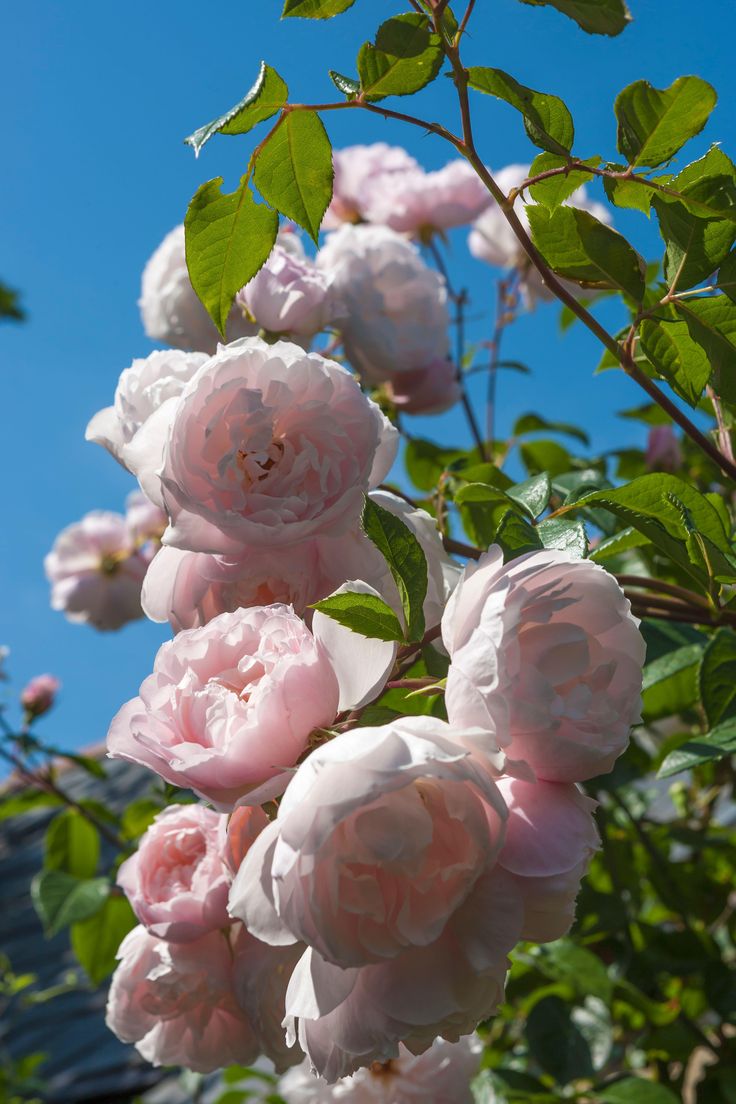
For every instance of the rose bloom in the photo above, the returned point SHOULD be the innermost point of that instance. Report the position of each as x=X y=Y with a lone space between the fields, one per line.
x=146 y=391
x=169 y=306
x=190 y=588
x=145 y=520
x=354 y=167
x=429 y=390
x=269 y=446
x=492 y=240
x=441 y=1075
x=348 y=1018
x=422 y=203
x=177 y=882
x=664 y=452
x=260 y=975
x=176 y=1002
x=380 y=837
x=238 y=833
x=550 y=839
x=231 y=705
x=39 y=695
x=290 y=295
x=396 y=306
x=547 y=658
x=96 y=571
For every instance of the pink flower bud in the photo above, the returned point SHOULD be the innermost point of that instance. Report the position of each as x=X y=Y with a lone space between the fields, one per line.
x=39 y=694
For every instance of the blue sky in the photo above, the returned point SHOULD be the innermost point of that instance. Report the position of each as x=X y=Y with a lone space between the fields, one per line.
x=97 y=99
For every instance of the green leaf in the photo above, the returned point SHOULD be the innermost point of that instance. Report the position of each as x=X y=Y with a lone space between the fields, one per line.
x=623 y=541
x=347 y=85
x=96 y=940
x=294 y=170
x=654 y=123
x=564 y=961
x=635 y=1090
x=670 y=683
x=628 y=194
x=695 y=246
x=576 y=245
x=228 y=238
x=712 y=323
x=547 y=120
x=406 y=560
x=516 y=535
x=406 y=57
x=9 y=305
x=544 y=456
x=533 y=494
x=138 y=816
x=556 y=1043
x=267 y=96
x=566 y=536
x=727 y=276
x=363 y=613
x=16 y=804
x=717 y=744
x=556 y=189
x=606 y=17
x=315 y=9
x=679 y=359
x=532 y=423
x=61 y=899
x=707 y=186
x=425 y=462
x=717 y=676
x=482 y=508
x=72 y=844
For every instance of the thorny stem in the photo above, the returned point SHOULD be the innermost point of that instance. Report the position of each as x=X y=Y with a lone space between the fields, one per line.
x=639 y=581
x=35 y=778
x=506 y=300
x=460 y=549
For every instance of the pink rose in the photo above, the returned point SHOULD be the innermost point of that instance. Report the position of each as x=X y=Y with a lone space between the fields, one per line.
x=492 y=240
x=380 y=837
x=429 y=390
x=354 y=167
x=546 y=657
x=269 y=446
x=441 y=1075
x=550 y=839
x=130 y=428
x=39 y=695
x=290 y=295
x=230 y=706
x=175 y=1001
x=190 y=588
x=663 y=449
x=145 y=520
x=238 y=833
x=396 y=316
x=170 y=309
x=177 y=882
x=96 y=571
x=260 y=975
x=422 y=203
x=348 y=1018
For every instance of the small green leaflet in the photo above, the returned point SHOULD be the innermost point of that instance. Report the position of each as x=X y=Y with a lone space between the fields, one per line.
x=605 y=17
x=406 y=560
x=712 y=323
x=347 y=85
x=315 y=9
x=556 y=189
x=567 y=536
x=267 y=96
x=695 y=246
x=578 y=246
x=679 y=359
x=532 y=495
x=96 y=940
x=716 y=744
x=61 y=899
x=547 y=120
x=654 y=123
x=406 y=57
x=293 y=170
x=533 y=423
x=72 y=845
x=366 y=614
x=228 y=238
x=717 y=676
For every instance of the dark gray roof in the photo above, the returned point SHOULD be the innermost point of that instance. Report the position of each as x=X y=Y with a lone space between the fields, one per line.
x=85 y=1062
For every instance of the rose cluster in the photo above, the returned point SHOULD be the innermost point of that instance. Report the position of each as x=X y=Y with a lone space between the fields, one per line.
x=339 y=896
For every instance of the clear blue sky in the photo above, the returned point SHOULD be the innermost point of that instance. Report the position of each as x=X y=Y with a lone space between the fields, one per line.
x=96 y=100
